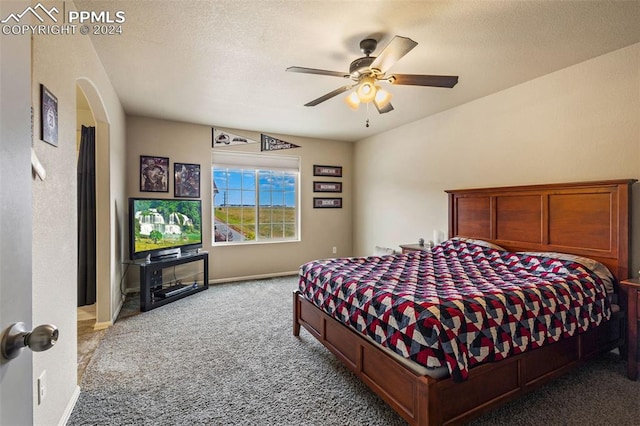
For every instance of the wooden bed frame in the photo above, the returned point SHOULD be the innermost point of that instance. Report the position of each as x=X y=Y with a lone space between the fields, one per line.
x=588 y=218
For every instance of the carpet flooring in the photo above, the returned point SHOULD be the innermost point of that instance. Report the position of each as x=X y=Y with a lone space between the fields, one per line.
x=88 y=341
x=227 y=356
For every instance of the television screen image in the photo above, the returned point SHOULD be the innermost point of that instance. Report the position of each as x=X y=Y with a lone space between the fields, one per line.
x=164 y=227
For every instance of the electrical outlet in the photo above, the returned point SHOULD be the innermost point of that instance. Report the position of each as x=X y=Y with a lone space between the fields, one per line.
x=42 y=387
x=334 y=250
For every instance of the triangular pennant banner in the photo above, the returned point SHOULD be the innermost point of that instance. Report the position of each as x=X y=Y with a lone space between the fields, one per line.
x=221 y=138
x=273 y=144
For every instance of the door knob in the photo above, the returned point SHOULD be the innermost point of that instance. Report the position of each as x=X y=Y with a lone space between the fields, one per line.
x=16 y=337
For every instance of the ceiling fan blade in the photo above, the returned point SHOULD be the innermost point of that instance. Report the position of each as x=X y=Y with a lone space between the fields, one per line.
x=396 y=49
x=424 y=80
x=387 y=108
x=328 y=95
x=316 y=71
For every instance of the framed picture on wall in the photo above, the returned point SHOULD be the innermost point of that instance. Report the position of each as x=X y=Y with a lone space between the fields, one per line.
x=186 y=180
x=335 y=171
x=154 y=174
x=48 y=116
x=327 y=186
x=327 y=203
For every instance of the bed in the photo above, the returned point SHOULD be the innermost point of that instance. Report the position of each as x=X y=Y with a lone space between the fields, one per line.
x=589 y=219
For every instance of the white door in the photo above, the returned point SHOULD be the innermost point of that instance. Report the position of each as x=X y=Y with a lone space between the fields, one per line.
x=16 y=376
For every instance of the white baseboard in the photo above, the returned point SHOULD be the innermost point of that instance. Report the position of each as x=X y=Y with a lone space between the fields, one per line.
x=114 y=317
x=130 y=290
x=70 y=406
x=253 y=277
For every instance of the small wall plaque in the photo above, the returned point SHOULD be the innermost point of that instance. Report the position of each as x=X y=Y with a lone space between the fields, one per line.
x=335 y=171
x=327 y=203
x=327 y=186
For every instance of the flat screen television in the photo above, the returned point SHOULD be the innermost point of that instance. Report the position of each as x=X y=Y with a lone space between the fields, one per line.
x=163 y=227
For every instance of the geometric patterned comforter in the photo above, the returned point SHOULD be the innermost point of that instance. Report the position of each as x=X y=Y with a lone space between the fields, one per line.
x=458 y=304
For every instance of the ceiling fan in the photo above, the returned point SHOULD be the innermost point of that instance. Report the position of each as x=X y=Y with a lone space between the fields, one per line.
x=368 y=70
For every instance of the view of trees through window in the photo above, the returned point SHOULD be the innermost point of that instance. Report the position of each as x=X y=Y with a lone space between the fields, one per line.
x=254 y=205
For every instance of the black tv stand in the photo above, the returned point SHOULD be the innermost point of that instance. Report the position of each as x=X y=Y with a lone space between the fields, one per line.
x=155 y=291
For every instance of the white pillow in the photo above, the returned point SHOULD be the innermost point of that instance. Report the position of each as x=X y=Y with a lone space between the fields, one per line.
x=381 y=251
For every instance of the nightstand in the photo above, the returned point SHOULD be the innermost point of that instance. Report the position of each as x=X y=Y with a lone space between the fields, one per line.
x=406 y=248
x=632 y=287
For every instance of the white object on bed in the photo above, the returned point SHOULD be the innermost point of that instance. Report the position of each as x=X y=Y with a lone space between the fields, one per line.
x=381 y=251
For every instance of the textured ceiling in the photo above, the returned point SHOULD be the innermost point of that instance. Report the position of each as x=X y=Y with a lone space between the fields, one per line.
x=222 y=63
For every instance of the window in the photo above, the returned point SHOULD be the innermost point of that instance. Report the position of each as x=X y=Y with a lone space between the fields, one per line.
x=255 y=198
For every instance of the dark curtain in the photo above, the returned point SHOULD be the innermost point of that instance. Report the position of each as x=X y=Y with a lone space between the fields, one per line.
x=87 y=217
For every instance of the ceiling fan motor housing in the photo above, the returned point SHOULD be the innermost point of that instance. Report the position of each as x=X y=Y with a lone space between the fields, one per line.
x=360 y=67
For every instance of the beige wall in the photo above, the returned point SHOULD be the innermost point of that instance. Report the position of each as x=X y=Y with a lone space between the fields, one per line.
x=84 y=116
x=321 y=230
x=58 y=62
x=580 y=123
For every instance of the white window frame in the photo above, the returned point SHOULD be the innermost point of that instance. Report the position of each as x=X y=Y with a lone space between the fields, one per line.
x=232 y=160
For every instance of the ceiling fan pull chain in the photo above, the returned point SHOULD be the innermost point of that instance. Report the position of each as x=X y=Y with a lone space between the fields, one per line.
x=367 y=122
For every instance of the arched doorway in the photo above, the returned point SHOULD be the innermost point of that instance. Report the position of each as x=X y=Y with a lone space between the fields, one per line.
x=103 y=306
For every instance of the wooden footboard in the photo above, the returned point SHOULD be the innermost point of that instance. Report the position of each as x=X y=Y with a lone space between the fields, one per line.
x=422 y=400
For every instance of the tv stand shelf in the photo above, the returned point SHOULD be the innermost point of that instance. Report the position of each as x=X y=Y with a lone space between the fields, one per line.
x=152 y=281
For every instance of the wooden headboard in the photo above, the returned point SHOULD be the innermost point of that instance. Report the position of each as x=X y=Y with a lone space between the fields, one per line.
x=585 y=218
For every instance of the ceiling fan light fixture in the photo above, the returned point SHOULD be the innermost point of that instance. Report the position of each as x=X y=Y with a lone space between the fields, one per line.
x=353 y=101
x=367 y=90
x=382 y=98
